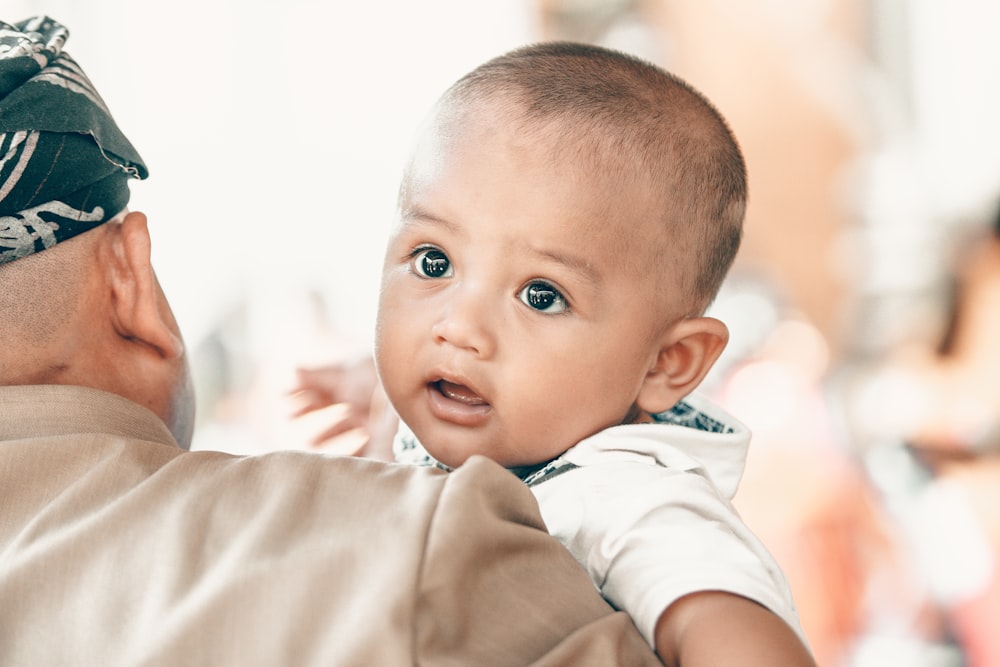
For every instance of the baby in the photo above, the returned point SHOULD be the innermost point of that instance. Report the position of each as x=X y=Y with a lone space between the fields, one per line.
x=566 y=218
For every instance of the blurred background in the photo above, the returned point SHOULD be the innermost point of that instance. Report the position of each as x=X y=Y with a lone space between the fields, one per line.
x=863 y=304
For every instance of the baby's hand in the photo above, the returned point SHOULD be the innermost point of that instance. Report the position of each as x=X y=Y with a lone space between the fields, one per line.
x=353 y=386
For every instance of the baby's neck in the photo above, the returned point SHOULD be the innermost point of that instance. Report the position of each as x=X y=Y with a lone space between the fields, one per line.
x=637 y=415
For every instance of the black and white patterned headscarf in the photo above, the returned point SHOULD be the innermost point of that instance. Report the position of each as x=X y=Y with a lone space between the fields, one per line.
x=64 y=164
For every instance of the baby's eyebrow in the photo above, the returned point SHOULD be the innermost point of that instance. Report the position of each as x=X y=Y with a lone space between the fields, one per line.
x=578 y=265
x=415 y=215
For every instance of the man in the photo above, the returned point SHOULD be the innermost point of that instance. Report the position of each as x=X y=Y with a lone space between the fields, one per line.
x=117 y=546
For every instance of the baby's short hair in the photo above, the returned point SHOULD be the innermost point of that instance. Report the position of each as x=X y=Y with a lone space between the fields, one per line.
x=631 y=118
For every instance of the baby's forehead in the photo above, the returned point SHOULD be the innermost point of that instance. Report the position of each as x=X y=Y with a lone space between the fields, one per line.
x=570 y=142
x=619 y=190
x=635 y=184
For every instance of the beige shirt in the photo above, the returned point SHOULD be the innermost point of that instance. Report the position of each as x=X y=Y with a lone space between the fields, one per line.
x=119 y=548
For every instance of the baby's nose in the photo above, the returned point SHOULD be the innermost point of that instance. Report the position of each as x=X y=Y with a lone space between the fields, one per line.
x=467 y=323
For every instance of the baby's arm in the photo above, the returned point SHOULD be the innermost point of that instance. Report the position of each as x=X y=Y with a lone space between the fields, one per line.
x=717 y=628
x=664 y=547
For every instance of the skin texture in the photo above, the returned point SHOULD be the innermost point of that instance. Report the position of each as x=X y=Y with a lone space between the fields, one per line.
x=145 y=331
x=487 y=209
x=118 y=335
x=713 y=628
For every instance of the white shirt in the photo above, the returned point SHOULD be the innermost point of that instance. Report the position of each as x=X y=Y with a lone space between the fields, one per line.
x=646 y=509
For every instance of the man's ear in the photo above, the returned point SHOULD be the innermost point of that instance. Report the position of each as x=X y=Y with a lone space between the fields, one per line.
x=139 y=308
x=687 y=353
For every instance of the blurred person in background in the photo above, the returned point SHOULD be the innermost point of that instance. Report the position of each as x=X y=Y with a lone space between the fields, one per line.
x=942 y=407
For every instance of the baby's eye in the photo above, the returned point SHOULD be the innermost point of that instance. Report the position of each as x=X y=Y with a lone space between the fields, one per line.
x=431 y=263
x=543 y=297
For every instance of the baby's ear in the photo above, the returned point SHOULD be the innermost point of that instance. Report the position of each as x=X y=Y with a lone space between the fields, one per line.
x=688 y=350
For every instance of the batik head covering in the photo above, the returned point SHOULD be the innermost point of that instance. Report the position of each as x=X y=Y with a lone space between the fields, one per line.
x=64 y=164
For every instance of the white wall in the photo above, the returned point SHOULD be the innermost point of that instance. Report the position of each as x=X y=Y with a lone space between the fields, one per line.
x=274 y=132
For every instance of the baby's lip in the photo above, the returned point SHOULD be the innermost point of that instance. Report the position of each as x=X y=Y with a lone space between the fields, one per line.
x=453 y=399
x=459 y=392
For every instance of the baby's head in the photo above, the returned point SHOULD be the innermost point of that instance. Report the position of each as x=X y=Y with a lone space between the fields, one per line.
x=566 y=218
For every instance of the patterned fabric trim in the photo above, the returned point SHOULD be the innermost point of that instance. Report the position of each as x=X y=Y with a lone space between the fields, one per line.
x=685 y=414
x=550 y=470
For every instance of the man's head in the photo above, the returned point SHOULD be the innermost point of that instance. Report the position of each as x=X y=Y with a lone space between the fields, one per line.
x=79 y=302
x=567 y=217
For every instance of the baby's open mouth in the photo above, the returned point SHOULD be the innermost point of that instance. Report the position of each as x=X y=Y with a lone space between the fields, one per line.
x=458 y=404
x=458 y=392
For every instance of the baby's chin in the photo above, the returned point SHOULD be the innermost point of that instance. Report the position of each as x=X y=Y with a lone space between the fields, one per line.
x=454 y=459
x=453 y=446
x=445 y=452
